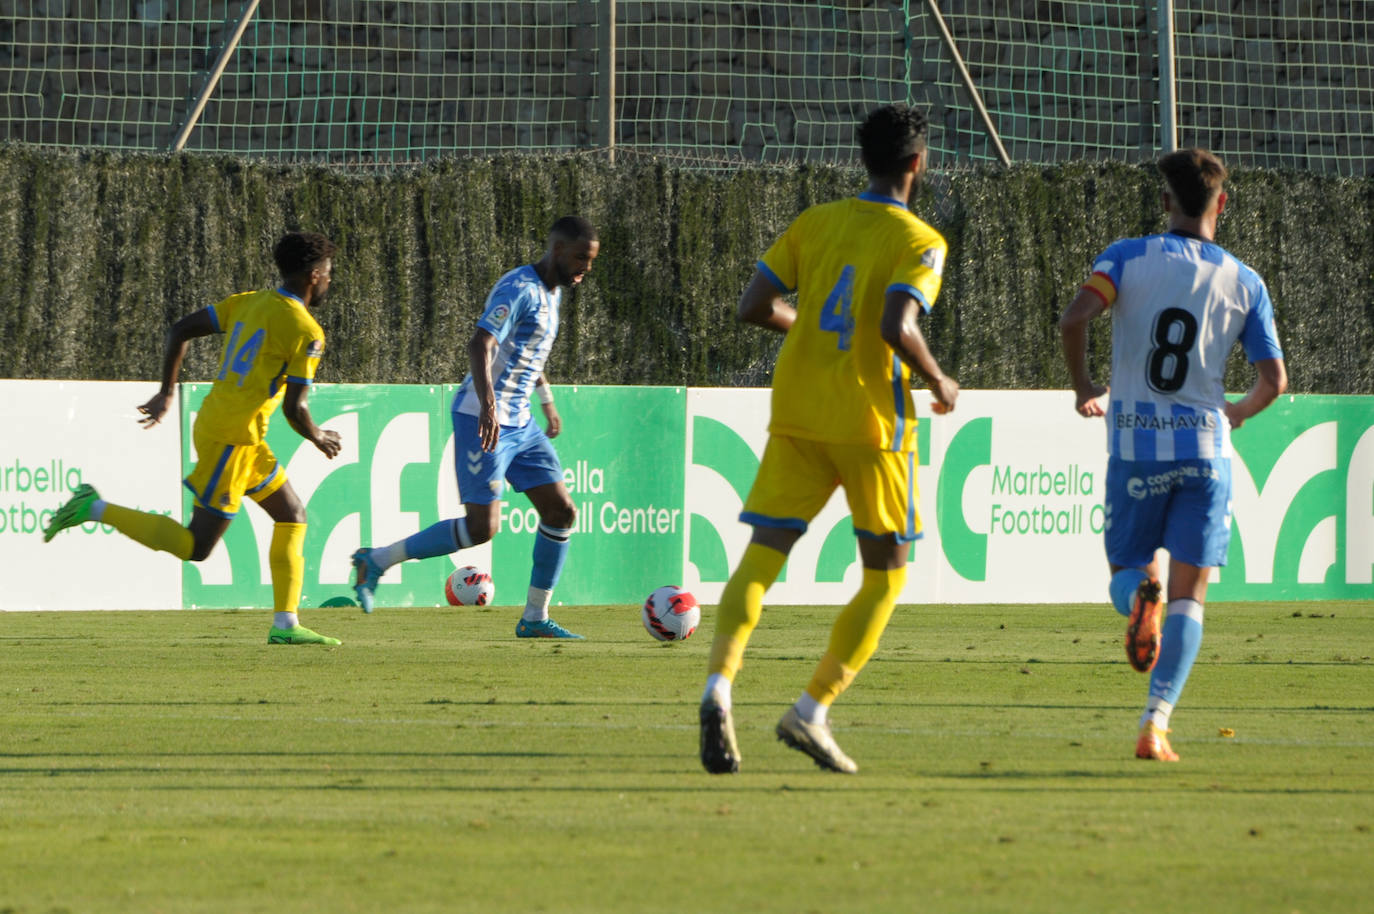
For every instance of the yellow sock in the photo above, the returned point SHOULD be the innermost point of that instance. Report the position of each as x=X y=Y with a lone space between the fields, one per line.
x=156 y=531
x=741 y=604
x=287 y=560
x=855 y=635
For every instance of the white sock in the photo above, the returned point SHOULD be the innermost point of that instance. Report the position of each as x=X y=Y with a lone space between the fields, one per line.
x=811 y=710
x=537 y=604
x=1157 y=711
x=717 y=690
x=98 y=509
x=285 y=620
x=386 y=556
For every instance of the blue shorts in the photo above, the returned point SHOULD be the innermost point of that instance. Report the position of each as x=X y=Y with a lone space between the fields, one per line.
x=1181 y=505
x=524 y=457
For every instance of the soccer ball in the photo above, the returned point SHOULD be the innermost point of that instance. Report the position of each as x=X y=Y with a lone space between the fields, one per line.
x=671 y=614
x=469 y=586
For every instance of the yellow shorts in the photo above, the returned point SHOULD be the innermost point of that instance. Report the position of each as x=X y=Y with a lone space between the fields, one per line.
x=797 y=477
x=224 y=473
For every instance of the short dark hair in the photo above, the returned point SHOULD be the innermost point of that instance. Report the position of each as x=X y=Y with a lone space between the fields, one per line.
x=1194 y=177
x=573 y=228
x=300 y=251
x=890 y=136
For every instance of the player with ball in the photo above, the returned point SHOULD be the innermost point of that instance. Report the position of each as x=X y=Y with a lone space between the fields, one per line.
x=496 y=440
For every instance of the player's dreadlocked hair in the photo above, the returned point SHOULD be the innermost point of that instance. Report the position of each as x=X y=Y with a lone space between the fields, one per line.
x=890 y=136
x=1195 y=177
x=300 y=251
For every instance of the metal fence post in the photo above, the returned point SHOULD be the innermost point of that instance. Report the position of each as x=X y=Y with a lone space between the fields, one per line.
x=605 y=77
x=249 y=8
x=1168 y=123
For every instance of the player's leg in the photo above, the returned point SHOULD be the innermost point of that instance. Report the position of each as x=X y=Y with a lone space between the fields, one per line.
x=1197 y=536
x=1136 y=511
x=479 y=485
x=156 y=531
x=536 y=470
x=881 y=489
x=794 y=482
x=268 y=486
x=557 y=521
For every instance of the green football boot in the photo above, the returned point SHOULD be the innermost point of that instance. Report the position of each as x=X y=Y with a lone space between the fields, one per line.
x=77 y=510
x=298 y=635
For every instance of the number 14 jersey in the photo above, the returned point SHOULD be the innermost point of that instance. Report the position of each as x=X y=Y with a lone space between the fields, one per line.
x=1179 y=303
x=836 y=379
x=270 y=339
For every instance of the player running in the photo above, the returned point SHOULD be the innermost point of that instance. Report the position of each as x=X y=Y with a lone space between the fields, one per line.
x=270 y=355
x=841 y=414
x=1179 y=303
x=495 y=437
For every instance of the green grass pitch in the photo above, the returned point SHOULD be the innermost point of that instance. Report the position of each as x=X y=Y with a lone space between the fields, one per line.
x=170 y=762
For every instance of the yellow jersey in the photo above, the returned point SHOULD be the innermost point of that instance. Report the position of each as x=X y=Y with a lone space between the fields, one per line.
x=836 y=379
x=270 y=339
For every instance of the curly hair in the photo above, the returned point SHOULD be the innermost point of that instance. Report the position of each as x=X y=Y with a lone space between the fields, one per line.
x=298 y=252
x=890 y=136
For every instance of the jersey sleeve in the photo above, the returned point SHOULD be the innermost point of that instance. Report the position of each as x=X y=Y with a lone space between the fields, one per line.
x=502 y=310
x=1259 y=336
x=222 y=312
x=779 y=262
x=306 y=357
x=921 y=271
x=1106 y=274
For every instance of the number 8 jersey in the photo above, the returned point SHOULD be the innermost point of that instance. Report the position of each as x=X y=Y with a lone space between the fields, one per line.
x=1179 y=303
x=836 y=379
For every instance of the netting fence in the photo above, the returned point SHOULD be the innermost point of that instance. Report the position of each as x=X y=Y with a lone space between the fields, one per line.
x=1277 y=83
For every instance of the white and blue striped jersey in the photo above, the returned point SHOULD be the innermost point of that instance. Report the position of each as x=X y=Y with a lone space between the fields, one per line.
x=523 y=316
x=1179 y=303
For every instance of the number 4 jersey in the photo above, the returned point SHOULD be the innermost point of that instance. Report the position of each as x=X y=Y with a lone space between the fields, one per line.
x=836 y=379
x=1179 y=303
x=270 y=339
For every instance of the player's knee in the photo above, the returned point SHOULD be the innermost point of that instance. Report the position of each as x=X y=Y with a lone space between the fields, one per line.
x=479 y=529
x=200 y=550
x=562 y=516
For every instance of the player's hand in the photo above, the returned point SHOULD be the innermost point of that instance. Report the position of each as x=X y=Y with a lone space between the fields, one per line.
x=329 y=443
x=1089 y=401
x=945 y=391
x=553 y=422
x=488 y=429
x=154 y=409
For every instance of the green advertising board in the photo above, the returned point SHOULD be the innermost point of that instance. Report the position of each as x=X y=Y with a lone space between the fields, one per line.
x=623 y=451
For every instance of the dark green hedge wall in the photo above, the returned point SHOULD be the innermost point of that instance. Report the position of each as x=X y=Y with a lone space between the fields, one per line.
x=98 y=252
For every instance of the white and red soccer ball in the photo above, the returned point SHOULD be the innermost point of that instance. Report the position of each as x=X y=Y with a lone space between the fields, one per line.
x=671 y=614
x=469 y=586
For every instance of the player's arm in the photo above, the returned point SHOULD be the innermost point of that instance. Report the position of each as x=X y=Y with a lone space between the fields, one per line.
x=196 y=324
x=480 y=349
x=1272 y=380
x=762 y=305
x=1073 y=330
x=553 y=423
x=297 y=413
x=901 y=332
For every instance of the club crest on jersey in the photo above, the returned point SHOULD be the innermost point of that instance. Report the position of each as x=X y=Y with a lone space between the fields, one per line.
x=499 y=315
x=934 y=259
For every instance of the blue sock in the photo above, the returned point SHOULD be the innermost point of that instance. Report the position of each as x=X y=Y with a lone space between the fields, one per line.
x=437 y=539
x=1122 y=588
x=1178 y=647
x=550 y=552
